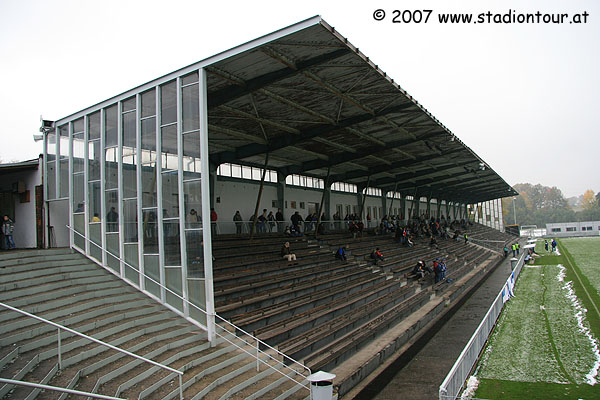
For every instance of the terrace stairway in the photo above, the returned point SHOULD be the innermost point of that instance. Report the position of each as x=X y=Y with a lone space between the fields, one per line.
x=71 y=290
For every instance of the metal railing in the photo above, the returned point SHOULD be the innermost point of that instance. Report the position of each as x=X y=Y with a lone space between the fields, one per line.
x=454 y=381
x=252 y=342
x=58 y=389
x=110 y=346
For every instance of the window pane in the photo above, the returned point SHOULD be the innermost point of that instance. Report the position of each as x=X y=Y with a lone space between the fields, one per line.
x=168 y=103
x=148 y=186
x=112 y=215
x=246 y=172
x=94 y=200
x=169 y=139
x=172 y=246
x=51 y=146
x=94 y=125
x=193 y=204
x=129 y=104
x=236 y=171
x=111 y=126
x=51 y=184
x=189 y=78
x=94 y=160
x=149 y=134
x=173 y=280
x=191 y=108
x=150 y=229
x=129 y=181
x=191 y=144
x=149 y=103
x=151 y=268
x=170 y=195
x=78 y=152
x=195 y=256
x=130 y=221
x=78 y=189
x=78 y=125
x=111 y=168
x=129 y=131
x=64 y=177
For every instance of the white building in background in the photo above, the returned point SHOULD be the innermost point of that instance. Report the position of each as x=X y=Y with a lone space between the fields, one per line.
x=20 y=199
x=565 y=229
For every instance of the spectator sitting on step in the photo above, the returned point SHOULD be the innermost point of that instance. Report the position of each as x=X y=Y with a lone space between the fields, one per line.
x=286 y=252
x=291 y=231
x=419 y=270
x=340 y=254
x=376 y=256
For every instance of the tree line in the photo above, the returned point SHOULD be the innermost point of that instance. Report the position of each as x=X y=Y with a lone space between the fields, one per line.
x=539 y=205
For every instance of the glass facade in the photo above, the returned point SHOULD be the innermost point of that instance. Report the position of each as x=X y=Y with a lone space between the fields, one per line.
x=132 y=173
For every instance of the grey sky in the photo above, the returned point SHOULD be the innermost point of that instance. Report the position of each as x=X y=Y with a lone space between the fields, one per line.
x=524 y=97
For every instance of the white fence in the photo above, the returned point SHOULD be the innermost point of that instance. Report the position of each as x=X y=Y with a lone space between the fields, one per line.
x=452 y=385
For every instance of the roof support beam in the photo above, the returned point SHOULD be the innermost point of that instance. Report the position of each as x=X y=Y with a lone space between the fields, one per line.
x=399 y=164
x=288 y=139
x=347 y=157
x=222 y=96
x=419 y=174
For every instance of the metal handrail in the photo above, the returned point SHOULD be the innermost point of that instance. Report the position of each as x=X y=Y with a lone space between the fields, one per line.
x=110 y=346
x=58 y=389
x=234 y=327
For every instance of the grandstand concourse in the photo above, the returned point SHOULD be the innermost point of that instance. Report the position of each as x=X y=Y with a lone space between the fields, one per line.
x=298 y=121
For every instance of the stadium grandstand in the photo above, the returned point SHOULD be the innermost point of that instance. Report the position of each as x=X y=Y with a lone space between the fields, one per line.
x=313 y=144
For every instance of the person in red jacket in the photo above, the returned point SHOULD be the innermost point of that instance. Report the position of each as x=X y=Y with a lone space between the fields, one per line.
x=213 y=221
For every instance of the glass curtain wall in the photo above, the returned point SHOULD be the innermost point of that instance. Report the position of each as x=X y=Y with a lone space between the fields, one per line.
x=132 y=172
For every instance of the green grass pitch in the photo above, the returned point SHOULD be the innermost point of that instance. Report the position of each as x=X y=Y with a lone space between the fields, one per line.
x=545 y=345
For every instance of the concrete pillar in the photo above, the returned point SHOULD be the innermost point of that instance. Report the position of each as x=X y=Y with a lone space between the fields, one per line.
x=212 y=180
x=403 y=207
x=281 y=189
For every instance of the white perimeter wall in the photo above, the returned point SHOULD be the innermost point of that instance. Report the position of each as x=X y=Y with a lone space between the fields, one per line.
x=241 y=195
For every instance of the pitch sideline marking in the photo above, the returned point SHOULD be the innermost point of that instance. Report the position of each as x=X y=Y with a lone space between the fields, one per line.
x=572 y=263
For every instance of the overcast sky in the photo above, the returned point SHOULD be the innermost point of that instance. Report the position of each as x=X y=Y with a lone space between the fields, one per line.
x=525 y=98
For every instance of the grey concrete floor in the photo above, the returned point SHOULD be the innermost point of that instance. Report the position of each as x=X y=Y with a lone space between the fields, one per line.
x=418 y=373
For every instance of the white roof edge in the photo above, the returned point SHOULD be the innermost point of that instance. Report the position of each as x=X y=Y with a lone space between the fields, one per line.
x=298 y=26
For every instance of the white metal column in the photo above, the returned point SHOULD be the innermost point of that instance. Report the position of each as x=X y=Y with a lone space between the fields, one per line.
x=70 y=207
x=205 y=187
x=138 y=178
x=120 y=180
x=181 y=198
x=159 y=199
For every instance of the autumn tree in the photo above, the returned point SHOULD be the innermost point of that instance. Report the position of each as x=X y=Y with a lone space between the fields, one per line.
x=589 y=201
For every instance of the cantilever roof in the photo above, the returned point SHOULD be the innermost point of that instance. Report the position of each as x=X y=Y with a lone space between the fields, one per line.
x=314 y=102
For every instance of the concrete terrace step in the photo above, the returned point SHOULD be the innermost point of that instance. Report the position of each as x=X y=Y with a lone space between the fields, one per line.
x=78 y=293
x=40 y=281
x=17 y=254
x=50 y=268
